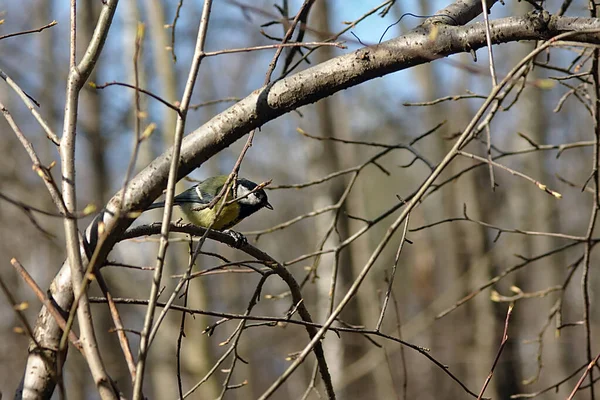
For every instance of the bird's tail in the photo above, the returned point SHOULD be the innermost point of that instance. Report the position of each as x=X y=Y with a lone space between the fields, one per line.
x=159 y=204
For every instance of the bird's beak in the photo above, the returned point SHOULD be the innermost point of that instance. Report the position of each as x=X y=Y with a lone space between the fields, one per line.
x=269 y=206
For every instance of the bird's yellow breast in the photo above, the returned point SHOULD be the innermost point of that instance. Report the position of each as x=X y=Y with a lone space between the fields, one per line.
x=227 y=218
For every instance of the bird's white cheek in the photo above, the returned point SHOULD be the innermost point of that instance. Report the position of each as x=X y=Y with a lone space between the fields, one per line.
x=251 y=200
x=254 y=198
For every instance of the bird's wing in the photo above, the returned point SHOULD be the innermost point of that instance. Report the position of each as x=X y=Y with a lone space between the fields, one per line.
x=194 y=195
x=199 y=196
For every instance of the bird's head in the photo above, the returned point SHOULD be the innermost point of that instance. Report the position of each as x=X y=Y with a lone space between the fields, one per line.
x=254 y=200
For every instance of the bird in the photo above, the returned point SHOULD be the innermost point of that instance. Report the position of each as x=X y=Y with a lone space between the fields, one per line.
x=193 y=202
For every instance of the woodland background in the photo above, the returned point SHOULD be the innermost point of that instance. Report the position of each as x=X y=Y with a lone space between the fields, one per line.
x=443 y=263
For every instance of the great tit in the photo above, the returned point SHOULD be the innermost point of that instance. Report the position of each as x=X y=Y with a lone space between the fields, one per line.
x=194 y=200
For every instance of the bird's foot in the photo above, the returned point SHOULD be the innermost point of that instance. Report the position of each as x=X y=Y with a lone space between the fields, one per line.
x=239 y=240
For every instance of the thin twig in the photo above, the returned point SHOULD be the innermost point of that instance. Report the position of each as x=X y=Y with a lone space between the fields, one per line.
x=42 y=171
x=502 y=344
x=275 y=46
x=138 y=89
x=119 y=328
x=391 y=281
x=540 y=185
x=51 y=24
x=306 y=5
x=18 y=308
x=182 y=323
x=78 y=74
x=587 y=371
x=173 y=26
x=585 y=289
x=170 y=195
x=39 y=293
x=29 y=102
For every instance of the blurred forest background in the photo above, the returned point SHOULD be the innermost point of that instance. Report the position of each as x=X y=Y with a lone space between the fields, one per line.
x=545 y=130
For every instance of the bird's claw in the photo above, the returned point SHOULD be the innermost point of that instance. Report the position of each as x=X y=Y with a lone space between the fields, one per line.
x=239 y=240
